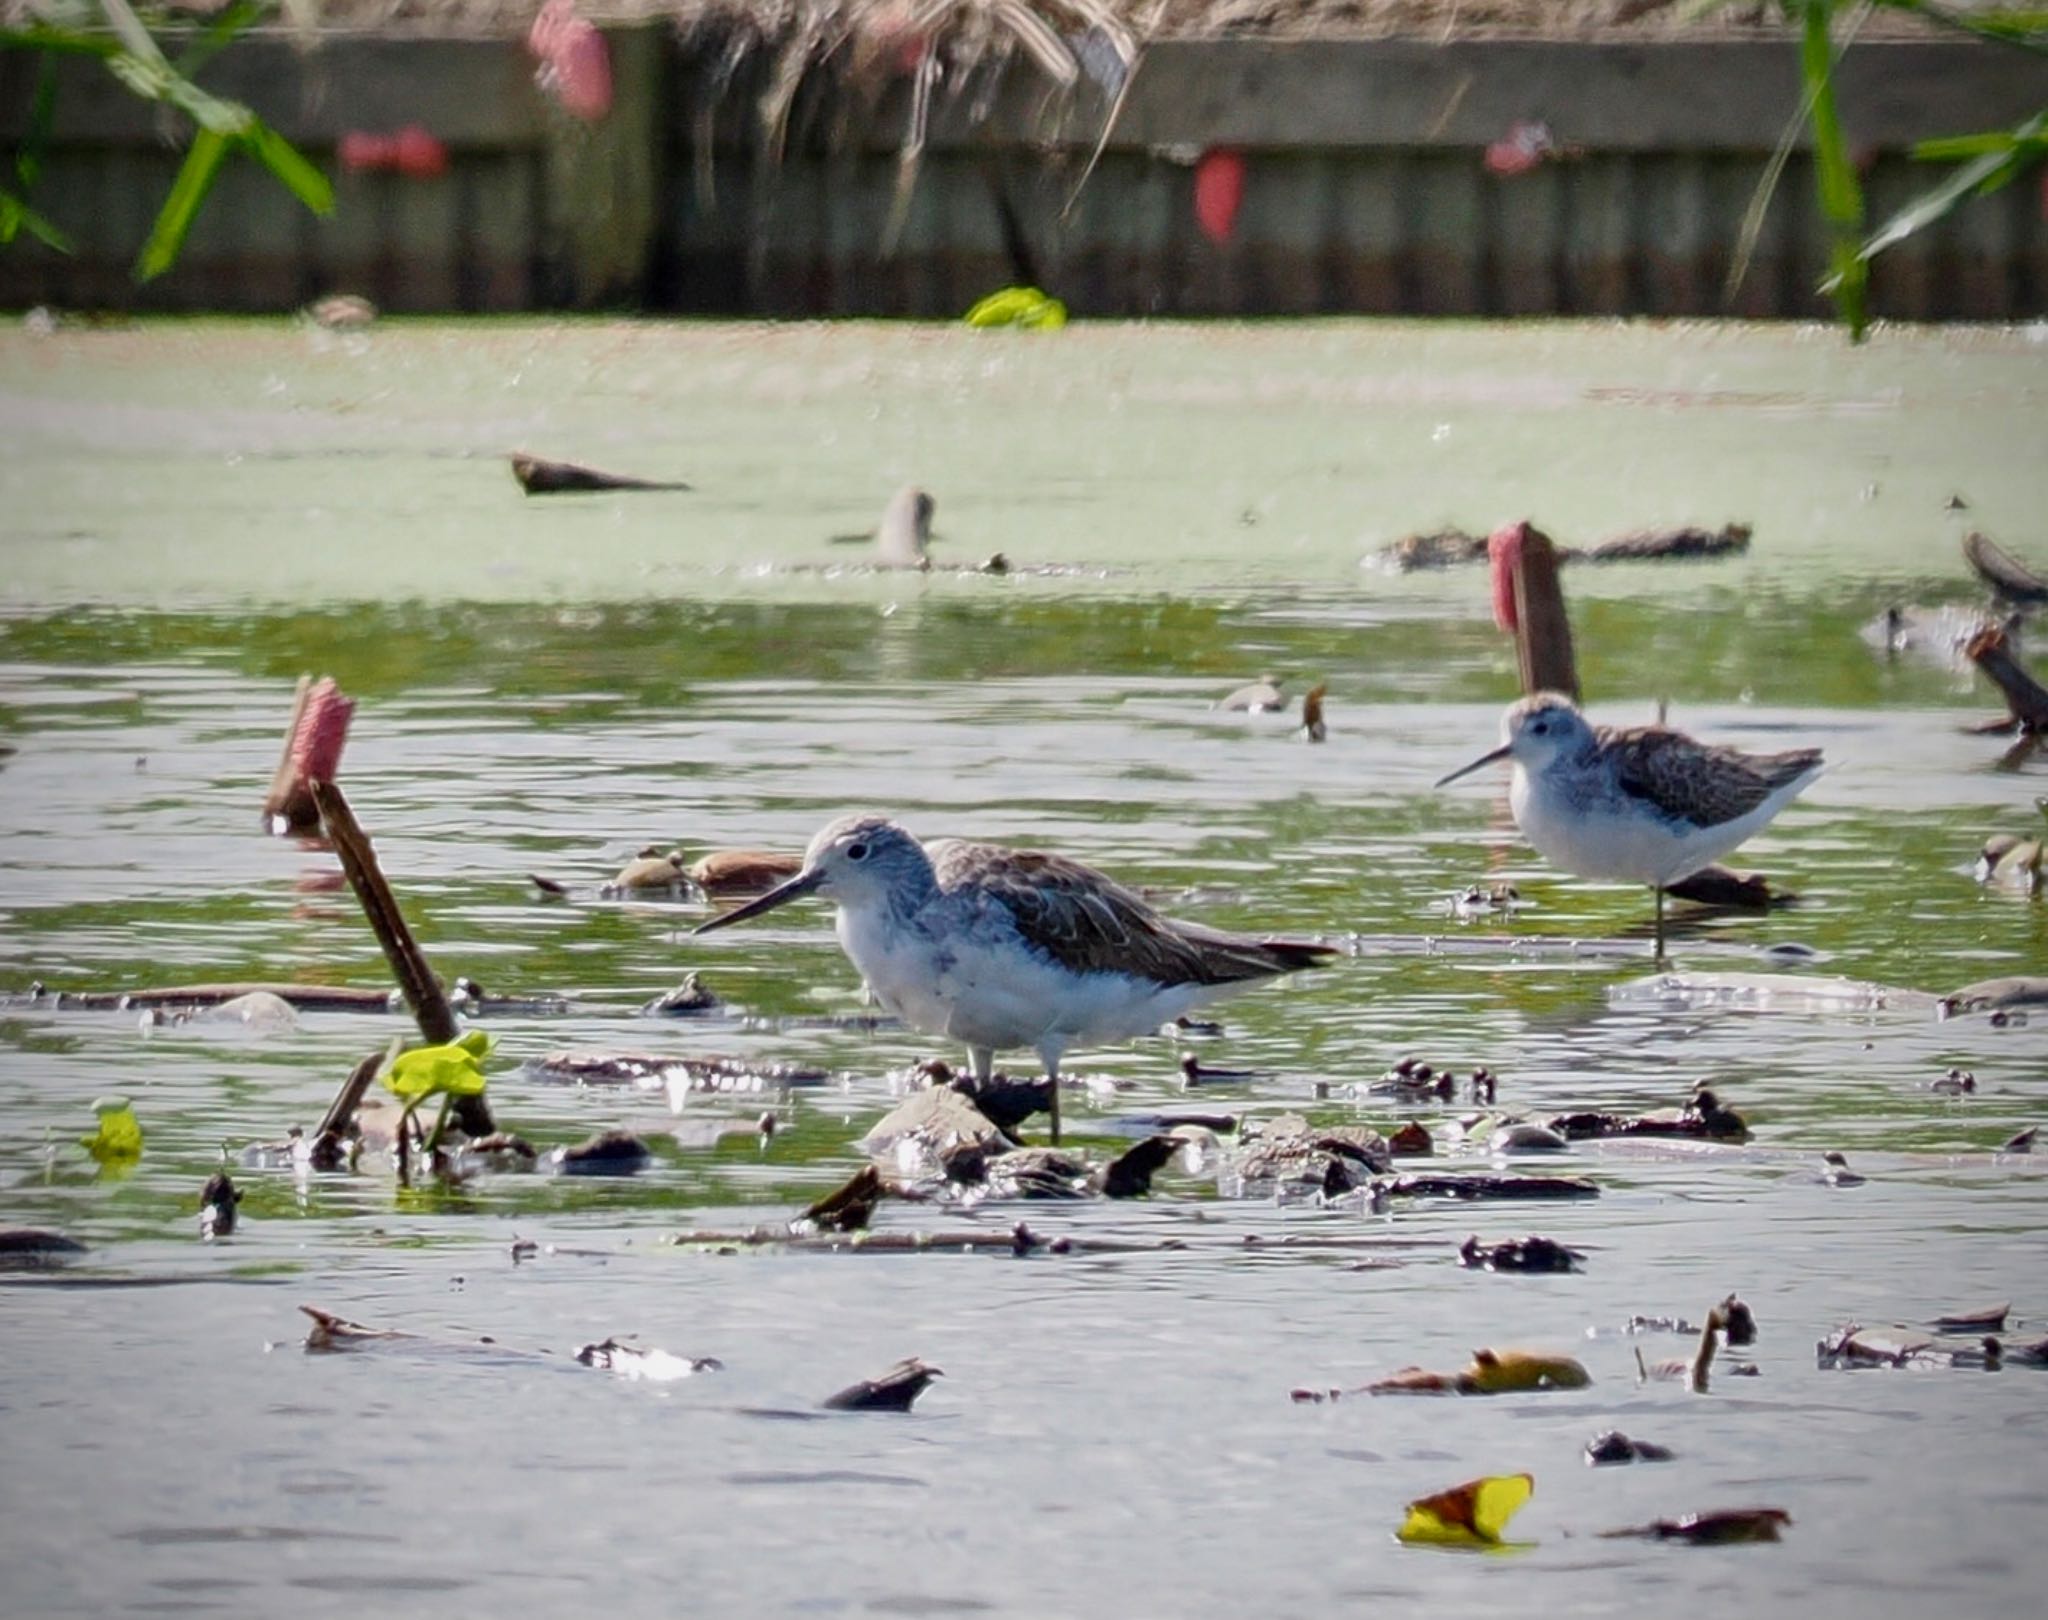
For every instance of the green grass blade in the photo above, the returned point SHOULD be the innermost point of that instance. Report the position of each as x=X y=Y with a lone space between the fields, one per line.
x=1841 y=193
x=1936 y=202
x=2026 y=29
x=16 y=216
x=188 y=191
x=290 y=165
x=128 y=29
x=220 y=33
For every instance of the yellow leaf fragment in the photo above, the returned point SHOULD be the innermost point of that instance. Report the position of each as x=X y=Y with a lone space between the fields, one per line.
x=1469 y=1515
x=118 y=1138
x=455 y=1070
x=1505 y=1372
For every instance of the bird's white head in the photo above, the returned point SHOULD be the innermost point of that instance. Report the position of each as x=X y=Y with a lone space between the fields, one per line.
x=858 y=861
x=1540 y=728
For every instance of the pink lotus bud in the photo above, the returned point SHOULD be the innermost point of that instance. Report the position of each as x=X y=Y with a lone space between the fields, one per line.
x=575 y=63
x=1219 y=192
x=1524 y=147
x=1503 y=557
x=323 y=728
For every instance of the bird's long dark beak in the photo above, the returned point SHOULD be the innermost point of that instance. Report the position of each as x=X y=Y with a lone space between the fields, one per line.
x=795 y=889
x=1502 y=752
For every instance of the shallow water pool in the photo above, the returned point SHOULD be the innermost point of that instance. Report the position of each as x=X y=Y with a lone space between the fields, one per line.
x=196 y=513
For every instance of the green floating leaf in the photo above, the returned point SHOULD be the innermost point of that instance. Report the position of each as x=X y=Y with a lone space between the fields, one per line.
x=118 y=1140
x=455 y=1070
x=1019 y=306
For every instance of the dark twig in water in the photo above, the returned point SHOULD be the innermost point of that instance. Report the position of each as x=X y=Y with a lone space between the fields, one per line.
x=327 y=1151
x=422 y=990
x=1990 y=649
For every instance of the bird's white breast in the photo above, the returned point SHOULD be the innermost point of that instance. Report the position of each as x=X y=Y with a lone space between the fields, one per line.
x=1587 y=827
x=984 y=987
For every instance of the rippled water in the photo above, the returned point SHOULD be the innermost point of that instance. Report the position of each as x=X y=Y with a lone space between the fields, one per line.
x=198 y=513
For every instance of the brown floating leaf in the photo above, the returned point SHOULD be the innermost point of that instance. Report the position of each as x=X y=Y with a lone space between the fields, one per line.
x=1991 y=1319
x=732 y=872
x=894 y=1391
x=1719 y=1528
x=849 y=1207
x=2008 y=577
x=331 y=1332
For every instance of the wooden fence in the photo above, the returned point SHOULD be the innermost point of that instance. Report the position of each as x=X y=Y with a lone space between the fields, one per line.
x=1365 y=186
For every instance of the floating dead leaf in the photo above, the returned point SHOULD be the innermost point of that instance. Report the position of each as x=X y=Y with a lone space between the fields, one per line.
x=1469 y=1515
x=1720 y=1528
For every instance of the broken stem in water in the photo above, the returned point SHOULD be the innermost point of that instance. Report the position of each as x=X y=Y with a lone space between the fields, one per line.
x=416 y=980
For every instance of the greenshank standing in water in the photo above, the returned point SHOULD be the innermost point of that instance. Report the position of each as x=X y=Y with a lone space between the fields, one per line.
x=1642 y=805
x=1003 y=947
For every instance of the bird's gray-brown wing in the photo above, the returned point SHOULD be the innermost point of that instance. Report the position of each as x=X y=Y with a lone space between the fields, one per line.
x=1703 y=783
x=1089 y=923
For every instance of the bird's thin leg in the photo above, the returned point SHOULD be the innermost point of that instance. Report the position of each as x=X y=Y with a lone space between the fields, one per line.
x=1052 y=1076
x=984 y=1060
x=1659 y=891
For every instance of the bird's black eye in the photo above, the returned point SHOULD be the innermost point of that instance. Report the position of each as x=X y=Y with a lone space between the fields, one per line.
x=1540 y=727
x=856 y=852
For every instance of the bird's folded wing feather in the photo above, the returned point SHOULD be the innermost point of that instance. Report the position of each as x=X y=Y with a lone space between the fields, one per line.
x=1698 y=782
x=1089 y=923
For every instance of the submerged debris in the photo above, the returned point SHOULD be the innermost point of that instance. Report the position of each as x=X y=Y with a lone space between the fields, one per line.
x=1730 y=1317
x=33 y=1248
x=1857 y=1346
x=1613 y=1447
x=1519 y=1254
x=1313 y=726
x=847 y=1208
x=1999 y=995
x=1704 y=1116
x=657 y=1071
x=1472 y=1186
x=1492 y=1372
x=1285 y=1154
x=649 y=874
x=894 y=1391
x=688 y=998
x=217 y=1201
x=608 y=1153
x=1719 y=1528
x=1449 y=548
x=331 y=1332
x=1263 y=696
x=644 y=1365
x=1990 y=1319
